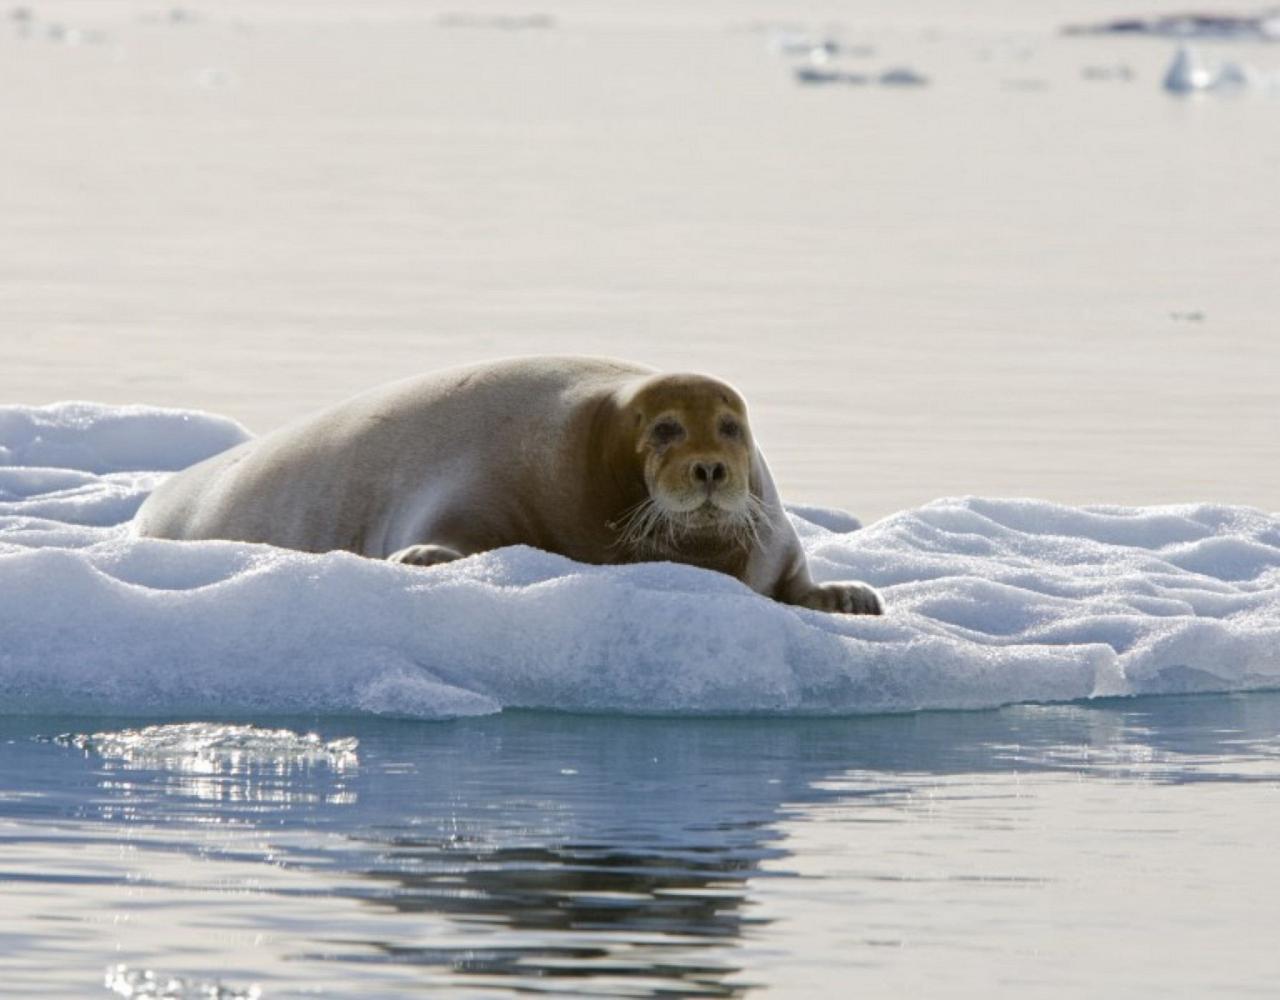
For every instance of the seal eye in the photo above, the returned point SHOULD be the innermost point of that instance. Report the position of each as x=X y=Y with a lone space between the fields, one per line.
x=665 y=432
x=730 y=428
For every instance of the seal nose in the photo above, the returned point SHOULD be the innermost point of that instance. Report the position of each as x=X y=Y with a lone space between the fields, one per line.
x=708 y=473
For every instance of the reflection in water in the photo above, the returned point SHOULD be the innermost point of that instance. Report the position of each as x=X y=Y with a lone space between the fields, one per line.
x=598 y=910
x=521 y=852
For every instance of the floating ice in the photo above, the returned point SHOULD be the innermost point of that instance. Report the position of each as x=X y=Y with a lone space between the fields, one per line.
x=990 y=602
x=212 y=746
x=1119 y=71
x=902 y=76
x=791 y=43
x=1263 y=26
x=1190 y=73
x=819 y=74
x=500 y=22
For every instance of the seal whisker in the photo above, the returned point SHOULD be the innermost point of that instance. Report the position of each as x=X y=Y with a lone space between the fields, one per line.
x=639 y=524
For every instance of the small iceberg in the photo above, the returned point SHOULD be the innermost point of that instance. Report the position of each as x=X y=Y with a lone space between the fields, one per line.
x=789 y=43
x=1119 y=72
x=818 y=74
x=1191 y=73
x=1188 y=73
x=821 y=75
x=902 y=76
x=212 y=747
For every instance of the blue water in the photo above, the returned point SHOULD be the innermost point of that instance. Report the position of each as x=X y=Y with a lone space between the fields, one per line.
x=1122 y=848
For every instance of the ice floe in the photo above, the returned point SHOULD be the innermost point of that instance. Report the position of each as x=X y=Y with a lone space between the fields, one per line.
x=1262 y=26
x=213 y=747
x=819 y=62
x=990 y=602
x=1191 y=72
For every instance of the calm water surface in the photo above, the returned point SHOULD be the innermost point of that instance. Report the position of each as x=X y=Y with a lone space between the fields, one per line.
x=1121 y=848
x=1014 y=281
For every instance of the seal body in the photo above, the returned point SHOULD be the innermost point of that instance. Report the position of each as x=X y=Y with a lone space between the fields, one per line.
x=601 y=461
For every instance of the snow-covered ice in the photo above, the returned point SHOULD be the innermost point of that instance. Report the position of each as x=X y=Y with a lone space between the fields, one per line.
x=90 y=437
x=990 y=602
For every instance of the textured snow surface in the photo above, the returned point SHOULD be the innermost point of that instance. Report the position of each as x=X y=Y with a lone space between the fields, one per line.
x=990 y=602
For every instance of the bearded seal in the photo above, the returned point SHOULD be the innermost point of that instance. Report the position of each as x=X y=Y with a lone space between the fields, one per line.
x=601 y=461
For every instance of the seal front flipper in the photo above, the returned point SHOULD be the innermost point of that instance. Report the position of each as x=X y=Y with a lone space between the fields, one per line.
x=424 y=555
x=845 y=597
x=848 y=597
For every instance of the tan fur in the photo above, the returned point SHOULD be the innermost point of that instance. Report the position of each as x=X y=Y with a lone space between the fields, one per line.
x=571 y=455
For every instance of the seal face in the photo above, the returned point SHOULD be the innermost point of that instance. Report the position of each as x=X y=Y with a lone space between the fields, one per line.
x=602 y=461
x=694 y=444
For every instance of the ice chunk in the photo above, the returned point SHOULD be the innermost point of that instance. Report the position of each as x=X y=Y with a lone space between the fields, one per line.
x=96 y=438
x=210 y=747
x=990 y=602
x=1188 y=72
x=902 y=76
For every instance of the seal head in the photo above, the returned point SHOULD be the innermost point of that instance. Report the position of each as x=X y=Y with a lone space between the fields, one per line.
x=689 y=440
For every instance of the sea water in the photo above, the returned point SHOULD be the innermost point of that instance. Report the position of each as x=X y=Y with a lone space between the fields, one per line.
x=1124 y=848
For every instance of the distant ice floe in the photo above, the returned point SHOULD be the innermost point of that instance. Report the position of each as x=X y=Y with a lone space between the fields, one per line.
x=1117 y=72
x=819 y=57
x=1190 y=72
x=990 y=602
x=498 y=22
x=27 y=25
x=898 y=77
x=823 y=74
x=817 y=48
x=1262 y=26
x=902 y=76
